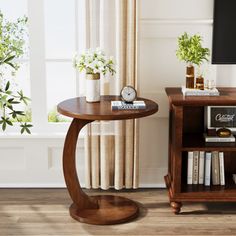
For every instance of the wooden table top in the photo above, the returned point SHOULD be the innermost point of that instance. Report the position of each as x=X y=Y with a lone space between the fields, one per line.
x=79 y=108
x=227 y=97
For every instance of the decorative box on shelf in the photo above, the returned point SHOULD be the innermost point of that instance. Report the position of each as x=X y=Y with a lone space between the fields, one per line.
x=221 y=116
x=198 y=92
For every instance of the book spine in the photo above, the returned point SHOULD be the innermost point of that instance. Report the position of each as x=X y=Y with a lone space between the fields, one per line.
x=120 y=105
x=195 y=167
x=200 y=94
x=220 y=140
x=215 y=168
x=190 y=168
x=208 y=169
x=222 y=168
x=133 y=107
x=201 y=167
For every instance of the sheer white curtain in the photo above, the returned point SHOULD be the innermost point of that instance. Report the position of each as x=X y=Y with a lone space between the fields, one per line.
x=112 y=160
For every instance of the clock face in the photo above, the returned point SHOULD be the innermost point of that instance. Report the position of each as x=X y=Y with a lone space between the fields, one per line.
x=128 y=94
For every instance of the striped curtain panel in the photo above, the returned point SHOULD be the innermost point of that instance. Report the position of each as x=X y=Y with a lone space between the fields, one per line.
x=112 y=160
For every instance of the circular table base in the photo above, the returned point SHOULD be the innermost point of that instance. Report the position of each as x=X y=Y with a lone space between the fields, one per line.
x=111 y=210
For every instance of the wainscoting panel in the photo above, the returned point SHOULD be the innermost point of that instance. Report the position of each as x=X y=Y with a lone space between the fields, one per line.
x=12 y=158
x=54 y=158
x=28 y=161
x=172 y=9
x=159 y=41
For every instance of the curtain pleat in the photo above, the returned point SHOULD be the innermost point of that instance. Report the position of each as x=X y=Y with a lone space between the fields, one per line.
x=119 y=154
x=136 y=157
x=129 y=153
x=107 y=161
x=87 y=154
x=95 y=160
x=112 y=160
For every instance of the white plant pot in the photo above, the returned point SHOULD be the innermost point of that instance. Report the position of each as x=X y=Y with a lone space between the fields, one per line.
x=93 y=87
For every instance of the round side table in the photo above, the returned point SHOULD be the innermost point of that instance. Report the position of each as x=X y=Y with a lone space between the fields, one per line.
x=100 y=210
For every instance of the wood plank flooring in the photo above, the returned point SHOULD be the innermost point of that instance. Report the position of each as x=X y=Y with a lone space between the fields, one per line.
x=45 y=212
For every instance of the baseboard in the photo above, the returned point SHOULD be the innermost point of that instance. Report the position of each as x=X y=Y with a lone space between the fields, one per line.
x=152 y=186
x=56 y=185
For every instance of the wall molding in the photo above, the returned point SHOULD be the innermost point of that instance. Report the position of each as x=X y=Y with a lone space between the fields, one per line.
x=172 y=28
x=176 y=21
x=152 y=185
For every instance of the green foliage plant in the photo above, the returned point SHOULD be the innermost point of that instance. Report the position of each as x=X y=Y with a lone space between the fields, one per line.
x=12 y=41
x=190 y=49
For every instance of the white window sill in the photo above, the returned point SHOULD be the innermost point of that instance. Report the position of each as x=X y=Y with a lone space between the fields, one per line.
x=33 y=136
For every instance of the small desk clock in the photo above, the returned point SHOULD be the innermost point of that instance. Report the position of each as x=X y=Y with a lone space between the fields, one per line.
x=128 y=94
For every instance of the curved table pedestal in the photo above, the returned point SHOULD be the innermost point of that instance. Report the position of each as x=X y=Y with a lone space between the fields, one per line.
x=111 y=210
x=100 y=210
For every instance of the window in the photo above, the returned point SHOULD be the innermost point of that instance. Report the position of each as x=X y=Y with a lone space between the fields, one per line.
x=47 y=75
x=60 y=45
x=22 y=78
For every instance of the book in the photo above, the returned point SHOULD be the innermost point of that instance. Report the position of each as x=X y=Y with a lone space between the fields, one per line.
x=195 y=167
x=201 y=167
x=222 y=168
x=217 y=139
x=198 y=92
x=190 y=168
x=121 y=105
x=207 y=179
x=215 y=168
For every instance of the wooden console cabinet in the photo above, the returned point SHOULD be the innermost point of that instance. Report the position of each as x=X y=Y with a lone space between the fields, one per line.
x=186 y=128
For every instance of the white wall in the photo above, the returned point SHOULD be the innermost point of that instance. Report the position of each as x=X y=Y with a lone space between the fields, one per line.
x=161 y=22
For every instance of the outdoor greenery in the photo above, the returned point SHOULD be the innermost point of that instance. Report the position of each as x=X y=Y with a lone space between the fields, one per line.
x=190 y=49
x=26 y=118
x=54 y=116
x=12 y=41
x=94 y=61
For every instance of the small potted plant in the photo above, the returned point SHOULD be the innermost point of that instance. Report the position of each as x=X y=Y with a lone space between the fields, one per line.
x=94 y=62
x=12 y=100
x=191 y=51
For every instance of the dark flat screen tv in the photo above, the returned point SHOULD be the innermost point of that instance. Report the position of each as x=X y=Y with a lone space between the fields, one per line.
x=224 y=32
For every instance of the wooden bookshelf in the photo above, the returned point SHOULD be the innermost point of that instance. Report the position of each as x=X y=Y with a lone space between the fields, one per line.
x=186 y=128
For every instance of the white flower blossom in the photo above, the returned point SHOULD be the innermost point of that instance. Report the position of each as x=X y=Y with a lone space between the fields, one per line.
x=94 y=61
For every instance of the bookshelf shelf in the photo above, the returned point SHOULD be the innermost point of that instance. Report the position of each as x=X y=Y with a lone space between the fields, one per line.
x=195 y=142
x=186 y=128
x=229 y=187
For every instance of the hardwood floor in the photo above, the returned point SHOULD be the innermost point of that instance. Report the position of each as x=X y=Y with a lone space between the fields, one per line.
x=45 y=212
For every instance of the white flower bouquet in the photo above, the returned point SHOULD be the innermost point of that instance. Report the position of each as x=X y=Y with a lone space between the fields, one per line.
x=94 y=61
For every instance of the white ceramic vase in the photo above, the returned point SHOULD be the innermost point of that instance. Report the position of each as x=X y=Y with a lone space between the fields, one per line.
x=93 y=87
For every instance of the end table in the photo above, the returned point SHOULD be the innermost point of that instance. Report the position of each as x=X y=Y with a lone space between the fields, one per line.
x=101 y=209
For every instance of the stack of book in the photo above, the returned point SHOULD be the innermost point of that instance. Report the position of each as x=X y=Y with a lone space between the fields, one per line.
x=206 y=168
x=121 y=105
x=198 y=92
